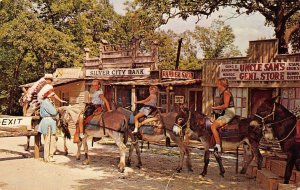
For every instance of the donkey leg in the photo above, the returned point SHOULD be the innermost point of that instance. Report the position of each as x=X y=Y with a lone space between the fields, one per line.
x=291 y=160
x=188 y=159
x=122 y=148
x=219 y=160
x=182 y=150
x=128 y=161
x=27 y=144
x=79 y=144
x=205 y=142
x=206 y=162
x=86 y=161
x=248 y=157
x=257 y=154
x=65 y=146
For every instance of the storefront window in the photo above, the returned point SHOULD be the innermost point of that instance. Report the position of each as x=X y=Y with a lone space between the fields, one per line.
x=240 y=100
x=290 y=98
x=123 y=98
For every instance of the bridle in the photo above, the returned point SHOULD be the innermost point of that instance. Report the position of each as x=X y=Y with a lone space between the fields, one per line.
x=270 y=124
x=186 y=124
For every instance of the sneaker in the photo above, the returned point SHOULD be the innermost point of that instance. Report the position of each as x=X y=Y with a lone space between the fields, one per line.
x=216 y=148
x=135 y=131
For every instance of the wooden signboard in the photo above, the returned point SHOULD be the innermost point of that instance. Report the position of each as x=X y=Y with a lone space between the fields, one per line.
x=15 y=122
x=179 y=99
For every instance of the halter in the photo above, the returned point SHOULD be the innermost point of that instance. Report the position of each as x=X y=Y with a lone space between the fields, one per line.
x=187 y=123
x=269 y=124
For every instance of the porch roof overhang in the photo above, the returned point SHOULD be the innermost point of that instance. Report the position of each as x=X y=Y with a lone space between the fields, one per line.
x=56 y=82
x=167 y=82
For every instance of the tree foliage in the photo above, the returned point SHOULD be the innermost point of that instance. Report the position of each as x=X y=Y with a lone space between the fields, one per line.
x=215 y=41
x=276 y=12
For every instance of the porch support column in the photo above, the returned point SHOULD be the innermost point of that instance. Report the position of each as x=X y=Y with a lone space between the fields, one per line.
x=133 y=98
x=168 y=99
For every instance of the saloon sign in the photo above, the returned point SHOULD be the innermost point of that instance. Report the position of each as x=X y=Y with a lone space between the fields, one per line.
x=261 y=71
x=177 y=74
x=117 y=72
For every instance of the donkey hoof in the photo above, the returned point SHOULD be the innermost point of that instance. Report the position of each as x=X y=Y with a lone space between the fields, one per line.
x=139 y=166
x=190 y=170
x=203 y=174
x=78 y=158
x=26 y=148
x=121 y=170
x=178 y=170
x=85 y=162
x=128 y=164
x=243 y=171
x=66 y=153
x=222 y=174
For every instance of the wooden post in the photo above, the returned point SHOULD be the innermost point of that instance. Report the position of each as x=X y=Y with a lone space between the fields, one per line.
x=37 y=139
x=168 y=98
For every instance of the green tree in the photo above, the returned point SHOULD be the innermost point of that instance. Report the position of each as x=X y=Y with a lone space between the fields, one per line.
x=215 y=41
x=276 y=12
x=29 y=48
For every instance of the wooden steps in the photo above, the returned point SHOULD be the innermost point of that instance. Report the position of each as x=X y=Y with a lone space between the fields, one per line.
x=272 y=174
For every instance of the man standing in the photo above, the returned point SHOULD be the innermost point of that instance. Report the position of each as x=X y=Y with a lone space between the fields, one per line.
x=47 y=126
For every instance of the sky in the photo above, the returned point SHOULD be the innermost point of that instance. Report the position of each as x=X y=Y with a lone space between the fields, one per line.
x=245 y=27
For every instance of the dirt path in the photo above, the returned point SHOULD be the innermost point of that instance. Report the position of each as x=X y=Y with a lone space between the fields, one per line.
x=20 y=171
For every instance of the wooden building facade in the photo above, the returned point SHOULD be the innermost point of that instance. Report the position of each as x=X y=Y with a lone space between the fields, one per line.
x=260 y=75
x=126 y=73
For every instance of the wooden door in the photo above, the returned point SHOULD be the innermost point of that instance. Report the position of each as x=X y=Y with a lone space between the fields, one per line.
x=258 y=96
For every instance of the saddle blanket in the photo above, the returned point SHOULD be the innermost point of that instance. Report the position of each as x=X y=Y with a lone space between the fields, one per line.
x=94 y=122
x=227 y=131
x=145 y=129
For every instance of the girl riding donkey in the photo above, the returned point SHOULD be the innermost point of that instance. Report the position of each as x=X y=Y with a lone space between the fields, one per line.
x=149 y=104
x=98 y=100
x=226 y=105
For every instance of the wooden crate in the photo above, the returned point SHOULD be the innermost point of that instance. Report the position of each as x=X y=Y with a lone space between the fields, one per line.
x=282 y=186
x=267 y=161
x=278 y=167
x=268 y=180
x=252 y=170
x=295 y=178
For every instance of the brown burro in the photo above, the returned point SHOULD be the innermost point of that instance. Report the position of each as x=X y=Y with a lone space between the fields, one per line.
x=113 y=123
x=181 y=127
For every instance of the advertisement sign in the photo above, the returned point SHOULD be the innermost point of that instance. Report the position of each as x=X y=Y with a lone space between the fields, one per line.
x=283 y=71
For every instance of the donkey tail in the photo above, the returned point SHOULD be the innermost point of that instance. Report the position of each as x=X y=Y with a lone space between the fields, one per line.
x=66 y=131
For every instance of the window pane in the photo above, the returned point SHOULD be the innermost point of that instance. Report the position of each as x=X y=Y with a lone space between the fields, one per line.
x=233 y=91
x=238 y=102
x=238 y=111
x=239 y=92
x=245 y=94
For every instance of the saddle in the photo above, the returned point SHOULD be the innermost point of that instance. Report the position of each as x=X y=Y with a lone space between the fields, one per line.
x=150 y=125
x=230 y=130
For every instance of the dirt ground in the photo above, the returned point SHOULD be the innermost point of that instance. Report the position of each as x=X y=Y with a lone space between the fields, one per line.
x=19 y=170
